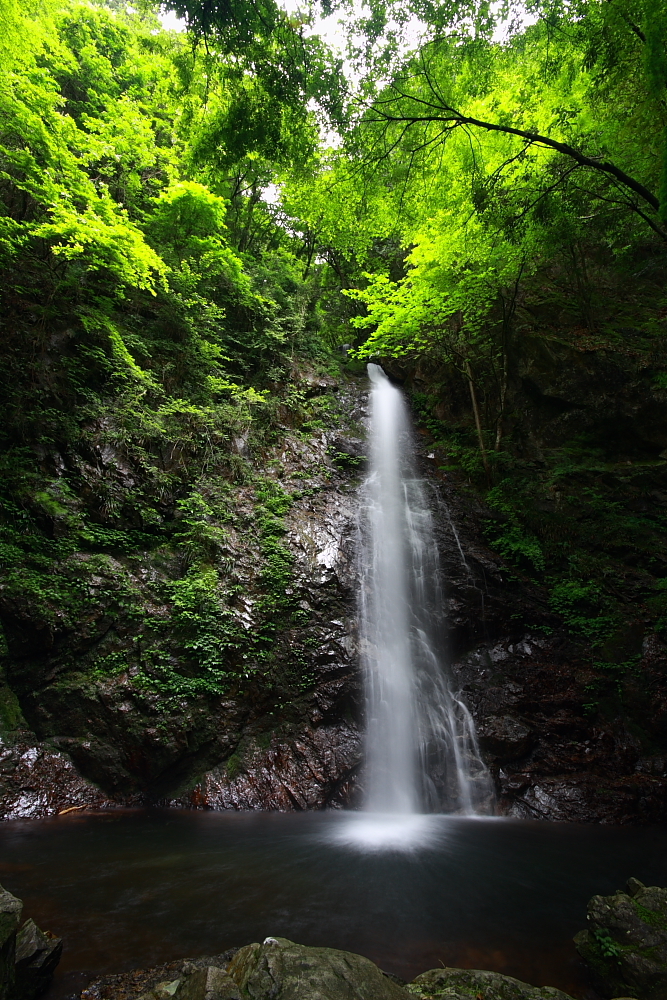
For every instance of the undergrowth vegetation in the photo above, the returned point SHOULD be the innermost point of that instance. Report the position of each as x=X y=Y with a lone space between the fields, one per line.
x=156 y=321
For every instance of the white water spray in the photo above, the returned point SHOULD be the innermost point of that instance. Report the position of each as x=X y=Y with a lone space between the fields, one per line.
x=421 y=748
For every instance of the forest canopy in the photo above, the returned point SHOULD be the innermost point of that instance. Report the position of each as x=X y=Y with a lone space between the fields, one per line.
x=188 y=217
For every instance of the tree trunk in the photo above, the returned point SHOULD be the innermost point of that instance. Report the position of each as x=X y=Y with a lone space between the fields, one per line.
x=478 y=422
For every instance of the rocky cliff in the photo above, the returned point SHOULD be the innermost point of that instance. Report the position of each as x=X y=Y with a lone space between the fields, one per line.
x=119 y=712
x=218 y=670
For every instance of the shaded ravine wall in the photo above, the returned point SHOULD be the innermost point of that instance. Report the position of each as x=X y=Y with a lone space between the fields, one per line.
x=104 y=742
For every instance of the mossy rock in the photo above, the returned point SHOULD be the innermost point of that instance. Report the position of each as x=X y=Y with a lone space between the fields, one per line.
x=10 y=918
x=625 y=945
x=282 y=970
x=11 y=717
x=471 y=984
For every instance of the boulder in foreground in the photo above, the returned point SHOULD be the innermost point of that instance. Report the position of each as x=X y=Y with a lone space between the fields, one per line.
x=283 y=970
x=625 y=945
x=37 y=955
x=28 y=956
x=279 y=969
x=469 y=984
x=10 y=918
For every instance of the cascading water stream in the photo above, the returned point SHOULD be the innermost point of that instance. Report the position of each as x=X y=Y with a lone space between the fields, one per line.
x=421 y=748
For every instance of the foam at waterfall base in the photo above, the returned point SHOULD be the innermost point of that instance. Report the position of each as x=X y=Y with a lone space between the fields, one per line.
x=366 y=831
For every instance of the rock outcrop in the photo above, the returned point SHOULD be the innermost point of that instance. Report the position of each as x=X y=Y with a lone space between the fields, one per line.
x=10 y=919
x=28 y=956
x=277 y=969
x=117 y=714
x=37 y=780
x=37 y=955
x=625 y=944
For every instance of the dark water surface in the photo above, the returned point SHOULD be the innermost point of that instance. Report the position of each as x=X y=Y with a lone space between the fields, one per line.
x=133 y=889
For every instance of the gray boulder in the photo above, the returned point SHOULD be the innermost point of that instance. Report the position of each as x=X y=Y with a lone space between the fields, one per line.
x=10 y=918
x=279 y=969
x=468 y=984
x=625 y=945
x=37 y=955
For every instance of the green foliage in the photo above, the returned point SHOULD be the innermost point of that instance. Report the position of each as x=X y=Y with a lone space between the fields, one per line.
x=582 y=607
x=511 y=540
x=608 y=947
x=11 y=717
x=149 y=294
x=199 y=536
x=205 y=633
x=273 y=504
x=157 y=299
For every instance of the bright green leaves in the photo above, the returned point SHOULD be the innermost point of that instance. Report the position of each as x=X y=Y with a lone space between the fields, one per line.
x=103 y=208
x=454 y=277
x=268 y=46
x=102 y=240
x=52 y=166
x=188 y=224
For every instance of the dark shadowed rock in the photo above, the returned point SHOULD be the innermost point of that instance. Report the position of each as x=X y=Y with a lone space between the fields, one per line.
x=295 y=742
x=279 y=969
x=284 y=741
x=625 y=945
x=37 y=955
x=160 y=982
x=505 y=737
x=471 y=984
x=10 y=917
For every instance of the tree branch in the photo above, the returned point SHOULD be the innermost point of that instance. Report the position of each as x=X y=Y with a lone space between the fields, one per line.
x=451 y=119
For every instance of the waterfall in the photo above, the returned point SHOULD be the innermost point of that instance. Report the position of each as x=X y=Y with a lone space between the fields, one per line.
x=421 y=748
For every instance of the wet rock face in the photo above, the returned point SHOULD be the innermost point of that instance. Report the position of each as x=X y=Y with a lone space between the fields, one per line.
x=38 y=780
x=551 y=761
x=504 y=737
x=529 y=688
x=314 y=769
x=625 y=944
x=114 y=707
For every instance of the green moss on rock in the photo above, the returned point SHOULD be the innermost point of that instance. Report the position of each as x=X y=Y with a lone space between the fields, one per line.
x=625 y=945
